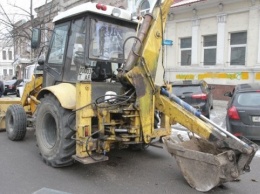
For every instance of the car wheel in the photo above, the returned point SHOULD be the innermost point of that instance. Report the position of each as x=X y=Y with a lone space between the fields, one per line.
x=17 y=93
x=16 y=122
x=53 y=133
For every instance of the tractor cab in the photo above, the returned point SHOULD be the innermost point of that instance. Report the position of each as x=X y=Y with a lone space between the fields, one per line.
x=88 y=44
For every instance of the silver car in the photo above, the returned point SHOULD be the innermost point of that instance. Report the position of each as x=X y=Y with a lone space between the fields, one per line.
x=243 y=111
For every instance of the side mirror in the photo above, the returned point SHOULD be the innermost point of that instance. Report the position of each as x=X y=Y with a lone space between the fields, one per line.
x=228 y=94
x=41 y=62
x=36 y=38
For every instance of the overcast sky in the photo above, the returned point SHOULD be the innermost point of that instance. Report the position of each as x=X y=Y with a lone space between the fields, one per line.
x=15 y=13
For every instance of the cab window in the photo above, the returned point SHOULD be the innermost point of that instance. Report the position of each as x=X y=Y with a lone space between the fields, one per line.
x=107 y=40
x=58 y=44
x=75 y=57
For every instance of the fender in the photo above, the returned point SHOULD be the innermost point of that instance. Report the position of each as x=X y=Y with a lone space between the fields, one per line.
x=64 y=92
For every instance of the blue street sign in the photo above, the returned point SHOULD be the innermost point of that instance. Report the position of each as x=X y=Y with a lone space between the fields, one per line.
x=167 y=42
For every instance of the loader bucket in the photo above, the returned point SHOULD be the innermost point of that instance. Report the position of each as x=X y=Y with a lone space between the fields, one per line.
x=202 y=165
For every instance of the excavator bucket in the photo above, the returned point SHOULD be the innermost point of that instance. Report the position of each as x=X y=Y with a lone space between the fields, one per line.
x=213 y=157
x=202 y=164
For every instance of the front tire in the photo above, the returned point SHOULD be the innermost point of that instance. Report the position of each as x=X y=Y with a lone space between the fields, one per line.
x=16 y=122
x=53 y=133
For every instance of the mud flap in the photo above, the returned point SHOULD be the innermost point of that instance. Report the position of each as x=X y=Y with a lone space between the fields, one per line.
x=202 y=164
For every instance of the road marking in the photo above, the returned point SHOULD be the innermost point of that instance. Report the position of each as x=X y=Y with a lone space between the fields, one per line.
x=45 y=190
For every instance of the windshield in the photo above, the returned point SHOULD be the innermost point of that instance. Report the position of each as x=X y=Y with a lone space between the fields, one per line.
x=107 y=40
x=248 y=99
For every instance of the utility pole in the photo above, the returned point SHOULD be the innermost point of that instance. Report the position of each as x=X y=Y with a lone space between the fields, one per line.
x=31 y=15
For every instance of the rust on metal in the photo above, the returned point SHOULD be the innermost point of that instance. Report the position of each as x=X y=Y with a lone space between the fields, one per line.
x=139 y=84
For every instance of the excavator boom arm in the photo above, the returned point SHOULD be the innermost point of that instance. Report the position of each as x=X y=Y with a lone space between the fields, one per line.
x=206 y=161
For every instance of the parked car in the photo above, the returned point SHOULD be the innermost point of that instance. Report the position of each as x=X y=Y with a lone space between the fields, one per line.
x=19 y=89
x=10 y=86
x=29 y=71
x=197 y=93
x=243 y=111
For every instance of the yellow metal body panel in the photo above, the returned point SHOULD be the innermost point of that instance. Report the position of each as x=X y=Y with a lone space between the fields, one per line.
x=4 y=104
x=31 y=90
x=153 y=41
x=64 y=92
x=83 y=118
x=178 y=114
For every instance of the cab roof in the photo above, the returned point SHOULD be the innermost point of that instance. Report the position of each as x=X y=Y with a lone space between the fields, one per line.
x=94 y=8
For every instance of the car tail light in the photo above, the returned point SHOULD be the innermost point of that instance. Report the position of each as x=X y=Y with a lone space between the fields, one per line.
x=237 y=134
x=200 y=96
x=10 y=87
x=233 y=114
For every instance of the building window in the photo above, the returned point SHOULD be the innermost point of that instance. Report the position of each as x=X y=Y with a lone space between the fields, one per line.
x=185 y=51
x=210 y=49
x=144 y=7
x=238 y=43
x=10 y=55
x=5 y=72
x=10 y=72
x=4 y=55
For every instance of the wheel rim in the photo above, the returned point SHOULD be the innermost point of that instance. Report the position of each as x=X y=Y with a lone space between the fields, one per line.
x=49 y=130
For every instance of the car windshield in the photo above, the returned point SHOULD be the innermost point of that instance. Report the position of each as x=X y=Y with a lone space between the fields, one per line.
x=107 y=40
x=180 y=90
x=248 y=99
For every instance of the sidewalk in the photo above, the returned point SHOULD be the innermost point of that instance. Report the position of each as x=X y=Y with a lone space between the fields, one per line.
x=221 y=103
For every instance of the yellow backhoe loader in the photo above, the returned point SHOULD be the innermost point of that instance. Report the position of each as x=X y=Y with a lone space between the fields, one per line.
x=93 y=99
x=16 y=114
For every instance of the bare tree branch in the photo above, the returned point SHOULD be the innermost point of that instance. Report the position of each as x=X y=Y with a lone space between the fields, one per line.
x=19 y=31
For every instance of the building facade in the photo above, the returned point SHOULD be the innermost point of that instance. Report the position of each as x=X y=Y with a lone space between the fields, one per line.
x=214 y=40
x=6 y=61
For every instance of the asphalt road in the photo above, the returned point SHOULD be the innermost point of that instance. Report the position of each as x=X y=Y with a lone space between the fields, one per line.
x=151 y=171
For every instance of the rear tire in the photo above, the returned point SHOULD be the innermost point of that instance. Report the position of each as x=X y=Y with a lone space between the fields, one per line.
x=16 y=122
x=54 y=134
